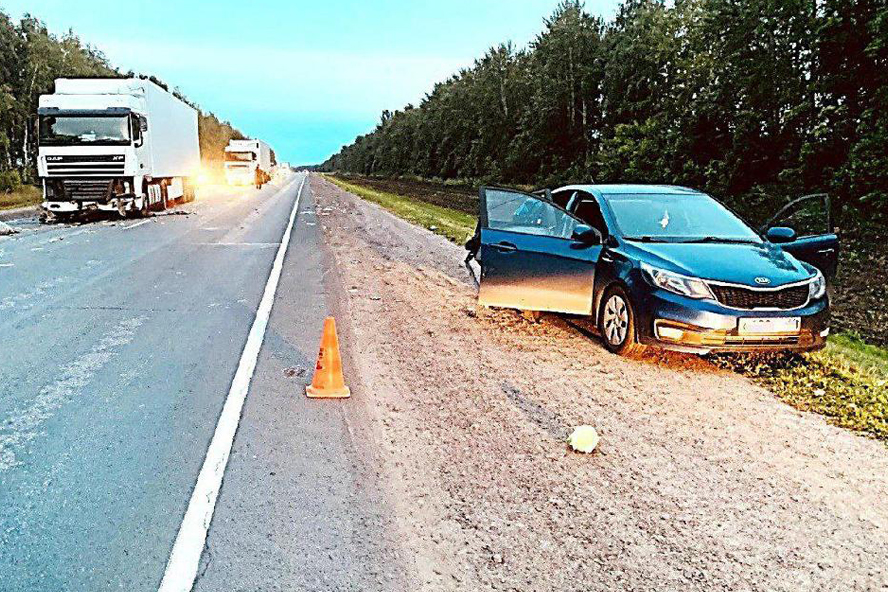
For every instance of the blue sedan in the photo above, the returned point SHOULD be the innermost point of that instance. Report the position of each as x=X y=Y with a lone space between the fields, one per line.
x=659 y=266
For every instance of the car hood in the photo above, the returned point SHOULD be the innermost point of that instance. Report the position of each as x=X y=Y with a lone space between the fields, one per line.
x=727 y=262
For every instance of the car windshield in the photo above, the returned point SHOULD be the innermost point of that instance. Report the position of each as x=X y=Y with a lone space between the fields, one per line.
x=84 y=130
x=689 y=217
x=239 y=156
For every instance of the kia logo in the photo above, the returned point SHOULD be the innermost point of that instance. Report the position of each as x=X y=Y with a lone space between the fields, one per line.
x=762 y=281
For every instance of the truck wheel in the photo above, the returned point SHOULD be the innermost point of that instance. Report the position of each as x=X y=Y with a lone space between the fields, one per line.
x=616 y=323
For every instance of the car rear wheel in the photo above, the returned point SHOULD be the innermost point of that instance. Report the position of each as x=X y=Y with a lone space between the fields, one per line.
x=616 y=323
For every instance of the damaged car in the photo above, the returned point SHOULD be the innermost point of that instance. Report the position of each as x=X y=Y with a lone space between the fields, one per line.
x=660 y=266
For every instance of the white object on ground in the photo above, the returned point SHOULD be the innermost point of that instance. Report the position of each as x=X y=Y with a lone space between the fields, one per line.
x=6 y=229
x=584 y=439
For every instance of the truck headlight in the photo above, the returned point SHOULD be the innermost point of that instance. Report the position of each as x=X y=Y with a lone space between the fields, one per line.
x=817 y=287
x=677 y=283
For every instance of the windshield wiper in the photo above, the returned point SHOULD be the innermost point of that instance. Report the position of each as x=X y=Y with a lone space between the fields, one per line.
x=647 y=239
x=721 y=239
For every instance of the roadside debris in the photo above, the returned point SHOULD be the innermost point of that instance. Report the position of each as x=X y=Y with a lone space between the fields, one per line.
x=584 y=439
x=6 y=229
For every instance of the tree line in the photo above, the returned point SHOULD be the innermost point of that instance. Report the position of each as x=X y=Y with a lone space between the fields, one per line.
x=752 y=100
x=31 y=58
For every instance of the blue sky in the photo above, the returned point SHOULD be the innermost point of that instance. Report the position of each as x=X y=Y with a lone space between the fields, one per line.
x=306 y=76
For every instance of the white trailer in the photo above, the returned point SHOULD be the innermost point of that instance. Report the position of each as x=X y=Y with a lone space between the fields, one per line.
x=112 y=144
x=247 y=161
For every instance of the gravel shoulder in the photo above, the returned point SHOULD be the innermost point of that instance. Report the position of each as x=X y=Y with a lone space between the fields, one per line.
x=702 y=480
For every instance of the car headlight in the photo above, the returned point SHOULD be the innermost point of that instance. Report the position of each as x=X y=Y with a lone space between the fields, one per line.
x=817 y=287
x=676 y=283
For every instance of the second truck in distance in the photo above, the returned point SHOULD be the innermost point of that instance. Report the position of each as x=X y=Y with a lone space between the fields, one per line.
x=248 y=162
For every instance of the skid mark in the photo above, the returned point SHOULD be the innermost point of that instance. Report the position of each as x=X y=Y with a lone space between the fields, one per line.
x=24 y=424
x=548 y=420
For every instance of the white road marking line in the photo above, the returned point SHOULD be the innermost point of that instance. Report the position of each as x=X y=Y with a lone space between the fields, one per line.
x=7 y=264
x=181 y=568
x=131 y=226
x=237 y=244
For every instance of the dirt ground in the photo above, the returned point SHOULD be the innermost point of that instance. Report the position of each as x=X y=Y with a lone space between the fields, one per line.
x=702 y=480
x=459 y=197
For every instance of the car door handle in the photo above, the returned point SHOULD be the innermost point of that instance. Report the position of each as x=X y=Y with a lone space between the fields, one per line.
x=607 y=259
x=505 y=247
x=826 y=251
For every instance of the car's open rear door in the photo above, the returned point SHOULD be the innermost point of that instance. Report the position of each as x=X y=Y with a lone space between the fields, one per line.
x=528 y=257
x=810 y=216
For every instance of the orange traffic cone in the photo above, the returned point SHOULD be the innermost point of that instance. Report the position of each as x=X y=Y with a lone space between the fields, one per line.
x=328 y=382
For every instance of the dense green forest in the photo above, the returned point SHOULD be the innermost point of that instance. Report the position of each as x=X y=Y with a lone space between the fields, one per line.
x=31 y=58
x=752 y=100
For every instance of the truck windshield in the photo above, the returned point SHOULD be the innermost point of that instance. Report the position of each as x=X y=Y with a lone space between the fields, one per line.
x=677 y=218
x=58 y=129
x=239 y=156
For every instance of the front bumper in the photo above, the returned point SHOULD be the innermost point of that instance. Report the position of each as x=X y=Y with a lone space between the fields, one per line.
x=117 y=204
x=670 y=321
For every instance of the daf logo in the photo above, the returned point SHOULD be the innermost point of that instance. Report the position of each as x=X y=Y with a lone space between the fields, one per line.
x=117 y=157
x=762 y=281
x=53 y=158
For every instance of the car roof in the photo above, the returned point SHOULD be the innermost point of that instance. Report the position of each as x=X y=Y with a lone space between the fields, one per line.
x=623 y=189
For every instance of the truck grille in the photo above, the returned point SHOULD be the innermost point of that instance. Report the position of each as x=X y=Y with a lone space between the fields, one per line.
x=750 y=299
x=87 y=189
x=103 y=165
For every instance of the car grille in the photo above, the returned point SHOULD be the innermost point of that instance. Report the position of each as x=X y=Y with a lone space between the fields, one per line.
x=751 y=299
x=86 y=189
x=104 y=165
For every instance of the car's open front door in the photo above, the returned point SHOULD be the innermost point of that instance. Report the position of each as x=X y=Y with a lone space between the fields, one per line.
x=816 y=242
x=529 y=257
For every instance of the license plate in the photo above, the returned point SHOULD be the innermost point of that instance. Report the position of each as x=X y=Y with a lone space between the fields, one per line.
x=770 y=325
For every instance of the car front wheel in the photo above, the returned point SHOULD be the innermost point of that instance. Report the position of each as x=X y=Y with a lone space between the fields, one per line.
x=616 y=323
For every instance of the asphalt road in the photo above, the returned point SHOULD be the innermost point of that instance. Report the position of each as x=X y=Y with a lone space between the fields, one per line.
x=118 y=344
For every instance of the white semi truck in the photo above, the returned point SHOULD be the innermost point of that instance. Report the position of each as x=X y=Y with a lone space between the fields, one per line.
x=243 y=158
x=123 y=145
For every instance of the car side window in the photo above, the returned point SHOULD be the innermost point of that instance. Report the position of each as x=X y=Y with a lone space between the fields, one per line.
x=587 y=209
x=518 y=212
x=562 y=198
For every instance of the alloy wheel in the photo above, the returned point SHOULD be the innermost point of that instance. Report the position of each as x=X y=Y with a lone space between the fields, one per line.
x=616 y=320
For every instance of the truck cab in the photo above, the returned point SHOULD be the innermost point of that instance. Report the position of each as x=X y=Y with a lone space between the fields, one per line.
x=107 y=145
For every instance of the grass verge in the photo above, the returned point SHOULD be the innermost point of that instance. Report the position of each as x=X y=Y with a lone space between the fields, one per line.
x=847 y=382
x=26 y=195
x=450 y=223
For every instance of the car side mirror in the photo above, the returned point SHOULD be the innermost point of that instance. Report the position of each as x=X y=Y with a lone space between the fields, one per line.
x=781 y=234
x=143 y=123
x=586 y=235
